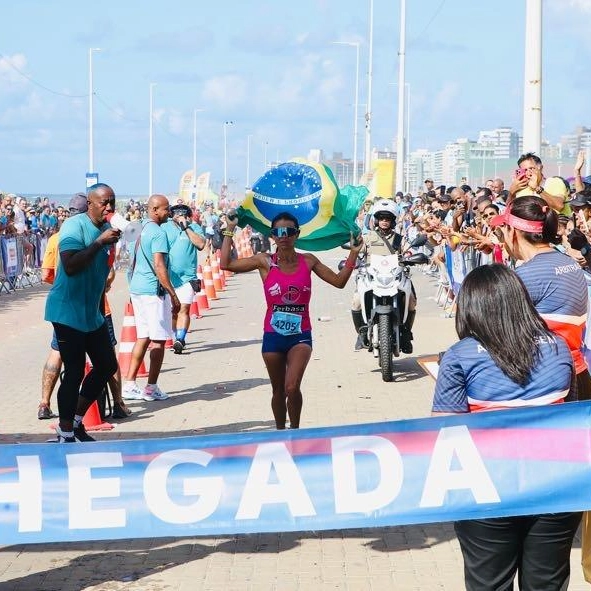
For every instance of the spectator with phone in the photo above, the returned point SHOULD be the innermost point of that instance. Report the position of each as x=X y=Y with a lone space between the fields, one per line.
x=185 y=238
x=529 y=180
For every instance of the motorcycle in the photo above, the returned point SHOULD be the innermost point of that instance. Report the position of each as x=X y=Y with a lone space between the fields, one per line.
x=259 y=243
x=384 y=288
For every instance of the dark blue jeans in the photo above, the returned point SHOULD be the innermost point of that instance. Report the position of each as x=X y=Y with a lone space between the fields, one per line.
x=74 y=345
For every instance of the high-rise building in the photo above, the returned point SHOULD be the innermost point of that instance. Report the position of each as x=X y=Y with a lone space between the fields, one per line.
x=571 y=143
x=505 y=141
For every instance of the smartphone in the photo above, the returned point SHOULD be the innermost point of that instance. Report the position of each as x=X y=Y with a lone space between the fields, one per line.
x=520 y=174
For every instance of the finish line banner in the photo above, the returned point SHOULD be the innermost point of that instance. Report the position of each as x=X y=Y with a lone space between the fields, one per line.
x=493 y=464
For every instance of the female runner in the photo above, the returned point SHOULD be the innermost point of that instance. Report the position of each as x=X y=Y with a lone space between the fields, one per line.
x=287 y=337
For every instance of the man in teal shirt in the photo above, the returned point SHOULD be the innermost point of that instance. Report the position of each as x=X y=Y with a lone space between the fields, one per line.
x=184 y=239
x=75 y=308
x=154 y=301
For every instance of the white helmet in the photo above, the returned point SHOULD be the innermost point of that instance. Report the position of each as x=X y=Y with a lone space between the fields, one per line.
x=384 y=206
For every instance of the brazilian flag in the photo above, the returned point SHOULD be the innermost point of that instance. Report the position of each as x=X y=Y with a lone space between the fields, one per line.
x=309 y=192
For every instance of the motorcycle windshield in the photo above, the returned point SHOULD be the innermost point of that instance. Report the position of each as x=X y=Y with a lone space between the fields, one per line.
x=383 y=265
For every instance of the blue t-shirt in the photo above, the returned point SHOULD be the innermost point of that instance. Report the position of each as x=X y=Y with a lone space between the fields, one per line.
x=142 y=279
x=469 y=380
x=557 y=287
x=182 y=256
x=75 y=300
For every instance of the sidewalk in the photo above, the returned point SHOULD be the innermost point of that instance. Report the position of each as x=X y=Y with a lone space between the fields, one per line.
x=220 y=385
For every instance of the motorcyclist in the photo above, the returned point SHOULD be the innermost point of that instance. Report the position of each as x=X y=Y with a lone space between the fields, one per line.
x=383 y=240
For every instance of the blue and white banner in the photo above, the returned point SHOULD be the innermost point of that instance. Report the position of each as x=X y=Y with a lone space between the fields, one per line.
x=516 y=462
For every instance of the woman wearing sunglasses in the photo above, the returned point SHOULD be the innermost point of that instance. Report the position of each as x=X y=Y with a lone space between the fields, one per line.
x=554 y=281
x=287 y=338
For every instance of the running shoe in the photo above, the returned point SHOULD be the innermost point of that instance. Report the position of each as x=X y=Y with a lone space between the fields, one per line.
x=44 y=412
x=80 y=433
x=178 y=346
x=152 y=393
x=61 y=438
x=132 y=392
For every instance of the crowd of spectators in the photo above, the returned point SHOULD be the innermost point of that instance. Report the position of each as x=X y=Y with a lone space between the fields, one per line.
x=456 y=219
x=20 y=216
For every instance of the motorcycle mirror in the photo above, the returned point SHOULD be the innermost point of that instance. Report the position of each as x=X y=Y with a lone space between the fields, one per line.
x=419 y=258
x=420 y=240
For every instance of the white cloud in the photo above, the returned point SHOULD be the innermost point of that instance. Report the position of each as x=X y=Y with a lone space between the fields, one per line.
x=226 y=92
x=445 y=99
x=10 y=79
x=564 y=5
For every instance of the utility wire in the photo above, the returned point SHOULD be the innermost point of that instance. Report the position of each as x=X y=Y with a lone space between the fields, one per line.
x=429 y=23
x=33 y=81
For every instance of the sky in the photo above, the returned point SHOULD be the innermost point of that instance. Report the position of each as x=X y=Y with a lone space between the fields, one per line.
x=270 y=67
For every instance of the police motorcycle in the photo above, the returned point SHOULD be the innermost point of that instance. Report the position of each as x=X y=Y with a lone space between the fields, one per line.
x=259 y=242
x=384 y=289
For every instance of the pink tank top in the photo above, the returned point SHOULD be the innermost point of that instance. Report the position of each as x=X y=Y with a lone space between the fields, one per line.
x=288 y=298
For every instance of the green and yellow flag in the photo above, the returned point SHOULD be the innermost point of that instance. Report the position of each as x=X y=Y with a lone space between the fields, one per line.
x=308 y=191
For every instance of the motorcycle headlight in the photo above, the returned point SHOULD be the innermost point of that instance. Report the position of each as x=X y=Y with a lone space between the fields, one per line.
x=385 y=280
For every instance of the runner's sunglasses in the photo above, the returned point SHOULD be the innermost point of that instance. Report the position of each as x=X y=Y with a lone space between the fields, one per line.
x=283 y=232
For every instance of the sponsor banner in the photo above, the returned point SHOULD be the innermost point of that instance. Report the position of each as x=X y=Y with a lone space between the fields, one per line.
x=493 y=464
x=10 y=257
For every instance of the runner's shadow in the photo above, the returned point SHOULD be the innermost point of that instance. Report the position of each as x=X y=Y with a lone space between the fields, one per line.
x=134 y=561
x=228 y=345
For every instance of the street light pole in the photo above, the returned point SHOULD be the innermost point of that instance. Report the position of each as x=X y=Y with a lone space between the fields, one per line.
x=91 y=110
x=226 y=123
x=532 y=92
x=367 y=162
x=355 y=106
x=401 y=101
x=248 y=160
x=151 y=143
x=195 y=111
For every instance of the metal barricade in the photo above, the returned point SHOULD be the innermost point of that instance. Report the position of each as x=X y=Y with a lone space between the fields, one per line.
x=20 y=261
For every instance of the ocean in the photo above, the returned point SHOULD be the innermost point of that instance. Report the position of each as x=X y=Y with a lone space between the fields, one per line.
x=63 y=199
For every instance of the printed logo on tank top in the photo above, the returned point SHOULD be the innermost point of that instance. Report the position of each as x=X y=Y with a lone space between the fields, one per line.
x=291 y=296
x=275 y=289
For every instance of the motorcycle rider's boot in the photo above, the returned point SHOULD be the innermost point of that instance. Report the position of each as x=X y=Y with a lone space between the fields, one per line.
x=360 y=329
x=406 y=333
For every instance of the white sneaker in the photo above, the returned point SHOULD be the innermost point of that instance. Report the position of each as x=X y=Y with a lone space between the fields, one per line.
x=132 y=392
x=152 y=393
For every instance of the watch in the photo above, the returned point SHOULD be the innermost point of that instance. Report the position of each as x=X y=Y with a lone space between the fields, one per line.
x=539 y=190
x=586 y=250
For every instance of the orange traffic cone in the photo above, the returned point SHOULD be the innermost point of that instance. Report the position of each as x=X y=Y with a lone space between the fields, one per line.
x=220 y=272
x=194 y=309
x=202 y=300
x=127 y=341
x=210 y=290
x=215 y=271
x=92 y=419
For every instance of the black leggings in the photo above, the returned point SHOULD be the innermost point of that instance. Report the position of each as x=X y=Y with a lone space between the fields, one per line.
x=73 y=346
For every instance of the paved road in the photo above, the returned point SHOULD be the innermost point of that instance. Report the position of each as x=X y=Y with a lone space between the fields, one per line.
x=220 y=386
